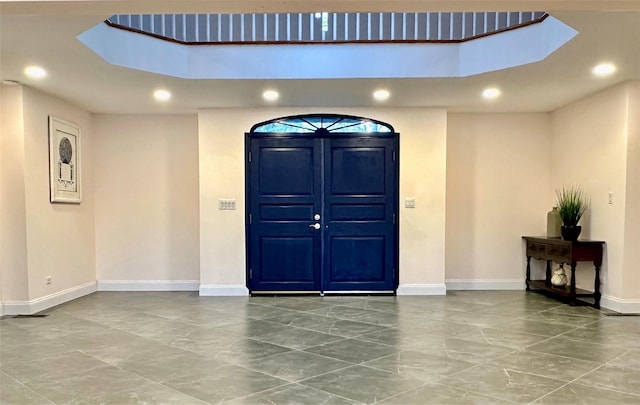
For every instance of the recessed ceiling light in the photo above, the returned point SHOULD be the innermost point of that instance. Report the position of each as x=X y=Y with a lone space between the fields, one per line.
x=604 y=69
x=491 y=93
x=35 y=72
x=381 y=95
x=162 y=95
x=270 y=95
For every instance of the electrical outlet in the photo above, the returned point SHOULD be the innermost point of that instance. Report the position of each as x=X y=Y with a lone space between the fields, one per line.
x=227 y=204
x=48 y=280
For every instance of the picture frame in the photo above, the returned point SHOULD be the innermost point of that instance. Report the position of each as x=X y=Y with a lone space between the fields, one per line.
x=65 y=170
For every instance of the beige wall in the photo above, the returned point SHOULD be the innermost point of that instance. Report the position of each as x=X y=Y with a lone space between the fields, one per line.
x=497 y=191
x=60 y=237
x=422 y=176
x=589 y=148
x=146 y=192
x=631 y=263
x=480 y=182
x=38 y=238
x=13 y=231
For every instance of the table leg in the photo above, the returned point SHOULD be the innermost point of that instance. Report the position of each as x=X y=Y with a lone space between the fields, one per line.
x=596 y=286
x=547 y=279
x=528 y=280
x=573 y=283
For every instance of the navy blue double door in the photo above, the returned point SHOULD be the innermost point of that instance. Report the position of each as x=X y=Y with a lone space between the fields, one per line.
x=322 y=213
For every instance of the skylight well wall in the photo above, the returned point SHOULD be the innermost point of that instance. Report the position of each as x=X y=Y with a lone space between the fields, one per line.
x=368 y=45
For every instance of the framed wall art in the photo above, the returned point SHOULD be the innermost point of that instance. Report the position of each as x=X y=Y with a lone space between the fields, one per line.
x=64 y=161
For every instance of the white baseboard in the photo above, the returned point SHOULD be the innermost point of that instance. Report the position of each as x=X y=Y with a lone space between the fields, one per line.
x=223 y=290
x=623 y=306
x=499 y=284
x=148 y=285
x=421 y=289
x=41 y=304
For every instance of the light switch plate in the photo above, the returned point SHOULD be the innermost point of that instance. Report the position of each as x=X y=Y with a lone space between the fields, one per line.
x=227 y=204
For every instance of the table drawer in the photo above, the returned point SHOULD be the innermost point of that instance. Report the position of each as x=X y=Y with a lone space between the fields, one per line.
x=559 y=251
x=536 y=249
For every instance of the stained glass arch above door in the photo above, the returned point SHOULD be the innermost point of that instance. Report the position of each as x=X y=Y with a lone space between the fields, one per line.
x=321 y=124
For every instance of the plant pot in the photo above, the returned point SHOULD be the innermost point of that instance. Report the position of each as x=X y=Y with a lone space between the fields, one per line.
x=570 y=232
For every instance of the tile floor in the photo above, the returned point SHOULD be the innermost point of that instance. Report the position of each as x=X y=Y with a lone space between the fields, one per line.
x=480 y=347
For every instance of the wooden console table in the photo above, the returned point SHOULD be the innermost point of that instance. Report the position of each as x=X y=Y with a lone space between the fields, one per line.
x=564 y=251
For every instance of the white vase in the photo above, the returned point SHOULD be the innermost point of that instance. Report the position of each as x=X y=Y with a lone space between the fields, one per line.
x=559 y=278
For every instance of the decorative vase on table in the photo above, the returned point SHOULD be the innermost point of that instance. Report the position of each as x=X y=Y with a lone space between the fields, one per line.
x=559 y=278
x=553 y=223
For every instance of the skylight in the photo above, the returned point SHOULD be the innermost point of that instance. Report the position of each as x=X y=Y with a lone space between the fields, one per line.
x=323 y=26
x=354 y=46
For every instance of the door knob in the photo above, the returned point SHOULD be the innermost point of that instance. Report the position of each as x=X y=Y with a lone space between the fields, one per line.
x=315 y=226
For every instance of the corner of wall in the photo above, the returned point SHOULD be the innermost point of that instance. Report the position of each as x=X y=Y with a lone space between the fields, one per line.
x=595 y=130
x=13 y=216
x=58 y=238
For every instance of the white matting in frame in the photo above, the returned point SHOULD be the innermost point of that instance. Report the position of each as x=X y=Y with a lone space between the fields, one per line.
x=64 y=161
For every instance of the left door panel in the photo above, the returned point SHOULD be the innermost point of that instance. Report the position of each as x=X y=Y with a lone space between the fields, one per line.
x=286 y=193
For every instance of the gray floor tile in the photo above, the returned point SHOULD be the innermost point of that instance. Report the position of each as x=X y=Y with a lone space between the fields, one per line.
x=477 y=319
x=52 y=367
x=604 y=336
x=469 y=347
x=340 y=311
x=502 y=383
x=90 y=386
x=298 y=338
x=224 y=383
x=296 y=365
x=352 y=350
x=439 y=394
x=151 y=393
x=501 y=337
x=559 y=318
x=293 y=394
x=363 y=384
x=419 y=365
x=537 y=327
x=245 y=350
x=626 y=324
x=14 y=393
x=547 y=365
x=299 y=304
x=578 y=394
x=630 y=359
x=621 y=379
x=327 y=324
x=578 y=350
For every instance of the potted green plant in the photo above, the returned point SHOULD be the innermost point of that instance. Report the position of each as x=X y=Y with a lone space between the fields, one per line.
x=572 y=204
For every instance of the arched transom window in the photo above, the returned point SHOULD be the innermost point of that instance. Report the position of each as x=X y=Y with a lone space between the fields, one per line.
x=322 y=124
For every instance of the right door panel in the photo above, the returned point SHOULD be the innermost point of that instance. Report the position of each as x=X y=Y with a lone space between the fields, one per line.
x=360 y=200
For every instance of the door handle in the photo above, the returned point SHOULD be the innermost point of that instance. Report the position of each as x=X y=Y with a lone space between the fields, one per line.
x=315 y=226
